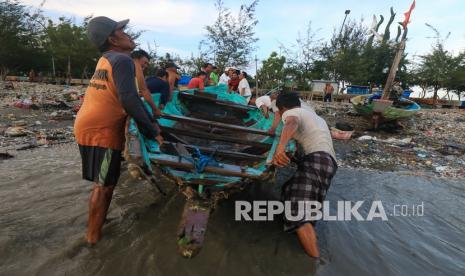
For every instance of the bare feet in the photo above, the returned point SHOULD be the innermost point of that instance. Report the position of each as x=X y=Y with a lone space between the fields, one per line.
x=307 y=237
x=99 y=202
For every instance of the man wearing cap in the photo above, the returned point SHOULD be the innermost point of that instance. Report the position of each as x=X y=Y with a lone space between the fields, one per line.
x=100 y=123
x=173 y=77
x=141 y=61
x=207 y=68
x=224 y=78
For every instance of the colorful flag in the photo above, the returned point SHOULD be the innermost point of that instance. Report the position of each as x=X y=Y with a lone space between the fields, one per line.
x=407 y=15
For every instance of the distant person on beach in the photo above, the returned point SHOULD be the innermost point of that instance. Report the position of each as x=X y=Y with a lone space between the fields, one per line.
x=100 y=123
x=208 y=69
x=233 y=83
x=328 y=92
x=244 y=87
x=198 y=82
x=173 y=77
x=141 y=60
x=159 y=84
x=316 y=165
x=266 y=104
x=214 y=76
x=224 y=78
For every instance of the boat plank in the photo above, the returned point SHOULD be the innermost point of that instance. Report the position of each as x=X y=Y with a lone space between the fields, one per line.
x=223 y=153
x=216 y=137
x=221 y=102
x=181 y=163
x=215 y=124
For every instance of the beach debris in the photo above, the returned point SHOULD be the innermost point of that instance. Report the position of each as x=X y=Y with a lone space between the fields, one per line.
x=19 y=123
x=366 y=138
x=26 y=104
x=16 y=132
x=8 y=86
x=5 y=155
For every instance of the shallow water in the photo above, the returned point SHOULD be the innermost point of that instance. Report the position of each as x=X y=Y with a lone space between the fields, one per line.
x=43 y=211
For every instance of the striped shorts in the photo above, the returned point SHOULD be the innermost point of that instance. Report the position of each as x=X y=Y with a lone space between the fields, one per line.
x=100 y=165
x=310 y=183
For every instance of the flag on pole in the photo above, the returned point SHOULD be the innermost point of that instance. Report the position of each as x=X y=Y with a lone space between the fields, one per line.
x=407 y=15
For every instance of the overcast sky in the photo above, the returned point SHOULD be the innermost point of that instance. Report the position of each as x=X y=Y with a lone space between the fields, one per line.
x=177 y=26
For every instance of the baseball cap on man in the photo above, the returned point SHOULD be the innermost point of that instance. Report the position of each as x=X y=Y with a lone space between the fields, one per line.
x=171 y=64
x=101 y=27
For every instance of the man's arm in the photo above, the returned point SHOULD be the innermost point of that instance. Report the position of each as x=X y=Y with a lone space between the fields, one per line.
x=280 y=158
x=165 y=94
x=124 y=78
x=264 y=109
x=144 y=91
x=201 y=86
x=276 y=121
x=171 y=81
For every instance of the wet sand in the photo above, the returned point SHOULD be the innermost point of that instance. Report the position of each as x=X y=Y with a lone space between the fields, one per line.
x=43 y=215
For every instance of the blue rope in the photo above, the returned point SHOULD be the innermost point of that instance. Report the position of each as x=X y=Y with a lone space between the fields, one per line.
x=200 y=161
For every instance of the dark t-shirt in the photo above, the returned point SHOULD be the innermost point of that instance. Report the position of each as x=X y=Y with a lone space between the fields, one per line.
x=157 y=85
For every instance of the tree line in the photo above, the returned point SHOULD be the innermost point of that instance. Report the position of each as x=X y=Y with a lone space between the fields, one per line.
x=354 y=54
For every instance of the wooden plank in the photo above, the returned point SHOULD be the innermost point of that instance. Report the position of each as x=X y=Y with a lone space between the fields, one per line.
x=174 y=162
x=215 y=124
x=220 y=102
x=193 y=226
x=224 y=153
x=216 y=137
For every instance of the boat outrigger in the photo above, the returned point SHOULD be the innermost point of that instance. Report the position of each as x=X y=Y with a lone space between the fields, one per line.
x=382 y=109
x=214 y=145
x=404 y=109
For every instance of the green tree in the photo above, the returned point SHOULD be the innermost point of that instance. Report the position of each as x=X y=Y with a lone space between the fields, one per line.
x=456 y=80
x=301 y=58
x=67 y=43
x=436 y=66
x=19 y=38
x=272 y=72
x=342 y=55
x=230 y=40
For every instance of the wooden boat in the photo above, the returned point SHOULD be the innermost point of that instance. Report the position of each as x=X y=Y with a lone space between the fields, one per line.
x=405 y=109
x=214 y=145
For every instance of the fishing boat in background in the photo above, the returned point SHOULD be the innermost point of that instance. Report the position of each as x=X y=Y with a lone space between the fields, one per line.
x=215 y=144
x=405 y=108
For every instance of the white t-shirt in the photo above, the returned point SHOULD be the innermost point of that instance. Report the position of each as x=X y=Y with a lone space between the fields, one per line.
x=266 y=100
x=224 y=79
x=245 y=84
x=313 y=132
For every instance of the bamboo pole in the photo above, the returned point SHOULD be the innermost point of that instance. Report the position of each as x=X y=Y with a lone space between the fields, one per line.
x=394 y=67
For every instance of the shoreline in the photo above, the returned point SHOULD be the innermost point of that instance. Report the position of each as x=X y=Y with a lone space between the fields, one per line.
x=430 y=144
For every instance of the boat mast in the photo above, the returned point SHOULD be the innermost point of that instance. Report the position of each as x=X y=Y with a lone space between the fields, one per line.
x=395 y=66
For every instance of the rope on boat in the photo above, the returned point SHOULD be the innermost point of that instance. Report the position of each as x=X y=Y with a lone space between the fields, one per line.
x=200 y=161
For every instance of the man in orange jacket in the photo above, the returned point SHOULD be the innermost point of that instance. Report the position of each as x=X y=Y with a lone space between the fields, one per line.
x=100 y=123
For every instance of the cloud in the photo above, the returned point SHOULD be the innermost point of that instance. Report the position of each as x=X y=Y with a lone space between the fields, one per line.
x=161 y=16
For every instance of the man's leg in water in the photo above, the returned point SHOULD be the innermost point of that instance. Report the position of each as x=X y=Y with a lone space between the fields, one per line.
x=99 y=202
x=307 y=237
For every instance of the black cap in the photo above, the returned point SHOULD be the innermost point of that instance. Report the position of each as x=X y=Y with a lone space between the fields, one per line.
x=171 y=64
x=101 y=27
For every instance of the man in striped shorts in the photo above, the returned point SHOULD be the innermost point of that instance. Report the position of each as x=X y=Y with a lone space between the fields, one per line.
x=315 y=167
